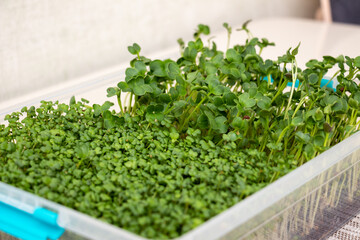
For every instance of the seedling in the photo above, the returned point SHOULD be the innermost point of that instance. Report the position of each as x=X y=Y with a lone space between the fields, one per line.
x=197 y=135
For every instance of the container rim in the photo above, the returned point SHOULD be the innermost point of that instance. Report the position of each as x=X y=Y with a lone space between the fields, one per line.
x=240 y=213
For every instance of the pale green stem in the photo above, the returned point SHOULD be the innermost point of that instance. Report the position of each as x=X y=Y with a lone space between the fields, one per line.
x=294 y=76
x=119 y=102
x=195 y=109
x=130 y=102
x=282 y=134
x=299 y=105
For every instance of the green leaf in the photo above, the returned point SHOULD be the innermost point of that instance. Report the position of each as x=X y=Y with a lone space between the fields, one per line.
x=340 y=106
x=199 y=44
x=182 y=90
x=331 y=100
x=97 y=109
x=303 y=137
x=329 y=59
x=111 y=91
x=232 y=55
x=319 y=140
x=246 y=101
x=286 y=58
x=24 y=109
x=155 y=112
x=296 y=50
x=3 y=145
x=218 y=101
x=190 y=53
x=155 y=88
x=217 y=90
x=203 y=121
x=9 y=147
x=140 y=66
x=192 y=76
x=239 y=123
x=63 y=107
x=82 y=151
x=235 y=72
x=252 y=92
x=72 y=100
x=178 y=107
x=164 y=98
x=226 y=25
x=210 y=68
x=309 y=151
x=327 y=109
x=174 y=135
x=124 y=86
x=217 y=59
x=109 y=120
x=264 y=103
x=146 y=88
x=158 y=68
x=244 y=26
x=202 y=29
x=313 y=64
x=211 y=117
x=319 y=115
x=356 y=96
x=266 y=67
x=131 y=50
x=251 y=57
x=220 y=124
x=229 y=98
x=275 y=146
x=327 y=127
x=313 y=78
x=173 y=70
x=134 y=49
x=130 y=73
x=232 y=136
x=181 y=43
x=106 y=106
x=85 y=100
x=297 y=121
x=357 y=62
x=138 y=86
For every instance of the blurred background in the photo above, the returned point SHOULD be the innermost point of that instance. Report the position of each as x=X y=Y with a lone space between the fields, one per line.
x=43 y=43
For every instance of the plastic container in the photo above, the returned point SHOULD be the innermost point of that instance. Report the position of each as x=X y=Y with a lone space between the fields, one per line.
x=304 y=204
x=308 y=203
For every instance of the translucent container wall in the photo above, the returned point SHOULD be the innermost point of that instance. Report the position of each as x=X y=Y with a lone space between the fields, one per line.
x=311 y=202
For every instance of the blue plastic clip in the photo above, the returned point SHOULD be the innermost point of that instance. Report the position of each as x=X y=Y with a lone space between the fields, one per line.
x=327 y=82
x=41 y=225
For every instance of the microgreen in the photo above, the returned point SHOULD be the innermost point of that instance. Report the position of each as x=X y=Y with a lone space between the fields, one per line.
x=194 y=136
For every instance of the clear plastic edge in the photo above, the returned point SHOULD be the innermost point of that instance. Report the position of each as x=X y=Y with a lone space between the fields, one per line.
x=69 y=219
x=214 y=228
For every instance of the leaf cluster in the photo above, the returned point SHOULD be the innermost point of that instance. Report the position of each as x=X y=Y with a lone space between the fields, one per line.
x=146 y=180
x=239 y=92
x=194 y=136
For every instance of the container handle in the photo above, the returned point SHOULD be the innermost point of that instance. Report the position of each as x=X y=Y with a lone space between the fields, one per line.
x=39 y=225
